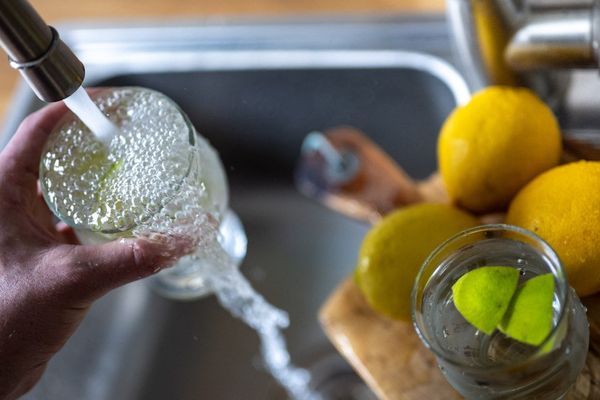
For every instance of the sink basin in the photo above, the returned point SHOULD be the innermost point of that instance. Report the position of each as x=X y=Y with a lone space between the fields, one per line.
x=254 y=89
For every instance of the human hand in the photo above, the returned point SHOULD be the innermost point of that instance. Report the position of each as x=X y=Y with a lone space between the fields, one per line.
x=47 y=280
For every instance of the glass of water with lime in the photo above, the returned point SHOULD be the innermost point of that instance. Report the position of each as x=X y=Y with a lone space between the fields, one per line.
x=494 y=306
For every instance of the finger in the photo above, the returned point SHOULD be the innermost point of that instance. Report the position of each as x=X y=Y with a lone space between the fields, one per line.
x=66 y=234
x=22 y=155
x=42 y=213
x=104 y=267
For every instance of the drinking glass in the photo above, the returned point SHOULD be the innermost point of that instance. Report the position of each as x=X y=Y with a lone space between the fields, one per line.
x=481 y=366
x=184 y=280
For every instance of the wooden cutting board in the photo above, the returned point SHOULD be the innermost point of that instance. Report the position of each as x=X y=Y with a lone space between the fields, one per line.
x=391 y=359
x=387 y=354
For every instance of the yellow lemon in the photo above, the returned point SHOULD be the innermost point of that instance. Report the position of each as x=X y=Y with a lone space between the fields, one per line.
x=563 y=207
x=494 y=145
x=394 y=249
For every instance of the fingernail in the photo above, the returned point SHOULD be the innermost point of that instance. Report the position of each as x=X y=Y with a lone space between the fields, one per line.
x=172 y=247
x=156 y=238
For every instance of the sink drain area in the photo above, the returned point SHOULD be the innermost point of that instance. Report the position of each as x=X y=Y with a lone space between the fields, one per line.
x=333 y=379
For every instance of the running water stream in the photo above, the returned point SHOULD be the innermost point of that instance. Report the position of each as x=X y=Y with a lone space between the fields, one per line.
x=131 y=175
x=82 y=105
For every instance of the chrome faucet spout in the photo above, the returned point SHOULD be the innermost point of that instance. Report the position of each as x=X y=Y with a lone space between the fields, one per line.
x=556 y=39
x=37 y=52
x=527 y=42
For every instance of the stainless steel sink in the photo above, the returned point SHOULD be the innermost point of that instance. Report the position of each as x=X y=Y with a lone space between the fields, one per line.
x=254 y=89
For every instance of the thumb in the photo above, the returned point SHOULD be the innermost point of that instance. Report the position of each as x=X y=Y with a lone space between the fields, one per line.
x=100 y=268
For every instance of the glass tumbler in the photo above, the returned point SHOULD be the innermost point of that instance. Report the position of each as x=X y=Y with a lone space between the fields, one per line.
x=481 y=366
x=184 y=280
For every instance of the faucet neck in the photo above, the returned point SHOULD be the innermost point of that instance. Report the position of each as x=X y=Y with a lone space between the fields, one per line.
x=24 y=36
x=46 y=63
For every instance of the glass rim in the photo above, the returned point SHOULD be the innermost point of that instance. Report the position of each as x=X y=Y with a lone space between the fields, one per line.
x=559 y=277
x=70 y=116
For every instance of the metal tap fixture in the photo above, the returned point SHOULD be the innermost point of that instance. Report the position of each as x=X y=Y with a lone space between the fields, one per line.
x=36 y=51
x=525 y=41
x=557 y=34
x=542 y=44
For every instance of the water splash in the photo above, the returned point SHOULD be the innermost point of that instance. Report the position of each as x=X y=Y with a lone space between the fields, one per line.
x=233 y=291
x=236 y=295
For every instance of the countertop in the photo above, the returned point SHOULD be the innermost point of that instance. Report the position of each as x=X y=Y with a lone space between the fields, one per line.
x=57 y=11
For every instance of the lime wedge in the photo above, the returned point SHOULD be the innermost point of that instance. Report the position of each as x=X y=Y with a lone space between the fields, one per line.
x=529 y=316
x=483 y=295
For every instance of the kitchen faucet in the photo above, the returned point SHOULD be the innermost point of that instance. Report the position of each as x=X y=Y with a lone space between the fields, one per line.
x=529 y=42
x=36 y=51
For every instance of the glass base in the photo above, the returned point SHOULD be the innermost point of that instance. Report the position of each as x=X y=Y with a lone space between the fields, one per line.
x=183 y=282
